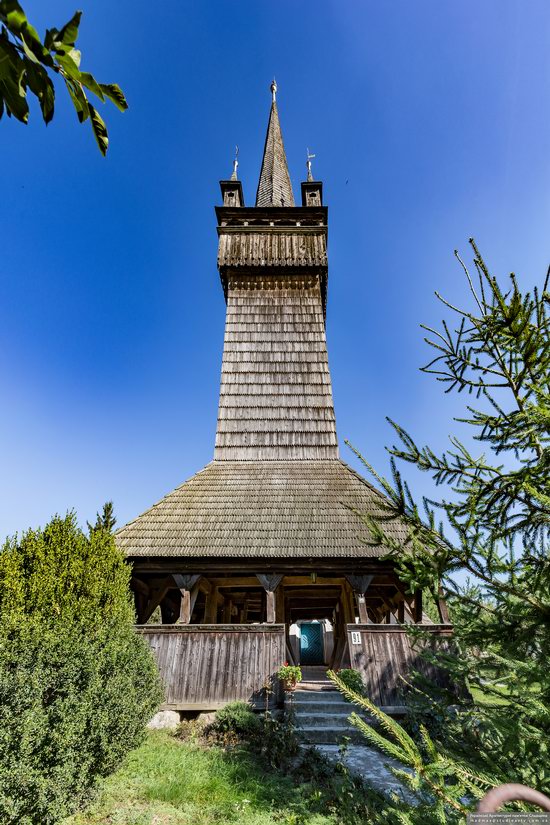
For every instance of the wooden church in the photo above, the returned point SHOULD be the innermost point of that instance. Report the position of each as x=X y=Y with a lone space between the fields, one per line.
x=260 y=557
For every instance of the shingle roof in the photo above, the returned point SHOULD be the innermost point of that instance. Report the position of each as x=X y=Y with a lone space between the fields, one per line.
x=274 y=187
x=275 y=392
x=261 y=509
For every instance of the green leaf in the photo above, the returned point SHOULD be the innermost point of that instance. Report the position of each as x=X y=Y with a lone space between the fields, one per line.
x=51 y=36
x=16 y=101
x=41 y=85
x=15 y=17
x=17 y=23
x=115 y=94
x=99 y=129
x=90 y=82
x=69 y=32
x=35 y=50
x=12 y=81
x=69 y=65
x=76 y=56
x=8 y=59
x=80 y=101
x=30 y=54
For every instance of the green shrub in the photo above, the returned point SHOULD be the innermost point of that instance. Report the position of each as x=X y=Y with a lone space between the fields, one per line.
x=352 y=680
x=77 y=685
x=237 y=718
x=277 y=742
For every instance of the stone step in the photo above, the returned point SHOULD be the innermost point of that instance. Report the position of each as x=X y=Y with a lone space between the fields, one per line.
x=307 y=706
x=323 y=720
x=315 y=735
x=317 y=696
x=398 y=711
x=312 y=703
x=322 y=717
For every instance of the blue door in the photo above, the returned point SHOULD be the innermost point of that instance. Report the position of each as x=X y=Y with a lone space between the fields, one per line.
x=311 y=644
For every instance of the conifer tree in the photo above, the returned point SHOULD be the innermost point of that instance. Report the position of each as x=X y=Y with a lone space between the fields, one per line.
x=493 y=522
x=105 y=520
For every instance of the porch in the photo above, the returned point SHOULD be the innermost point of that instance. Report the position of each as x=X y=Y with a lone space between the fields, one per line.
x=336 y=591
x=205 y=666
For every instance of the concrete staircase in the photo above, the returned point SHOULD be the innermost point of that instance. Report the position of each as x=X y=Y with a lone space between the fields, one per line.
x=321 y=712
x=321 y=717
x=314 y=677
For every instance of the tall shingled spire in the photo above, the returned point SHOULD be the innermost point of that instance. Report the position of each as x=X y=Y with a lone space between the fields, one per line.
x=276 y=496
x=274 y=187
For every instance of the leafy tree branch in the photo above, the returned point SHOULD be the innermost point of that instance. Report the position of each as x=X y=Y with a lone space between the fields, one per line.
x=28 y=64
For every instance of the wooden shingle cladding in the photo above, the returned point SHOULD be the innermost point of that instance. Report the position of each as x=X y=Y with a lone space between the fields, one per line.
x=262 y=510
x=274 y=186
x=275 y=394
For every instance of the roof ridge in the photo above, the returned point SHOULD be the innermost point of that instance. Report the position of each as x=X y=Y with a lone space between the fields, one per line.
x=362 y=479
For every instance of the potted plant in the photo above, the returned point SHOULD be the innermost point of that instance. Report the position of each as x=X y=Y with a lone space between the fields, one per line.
x=289 y=675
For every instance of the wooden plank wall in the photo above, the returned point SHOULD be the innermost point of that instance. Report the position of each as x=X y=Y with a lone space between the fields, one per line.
x=205 y=666
x=288 y=246
x=385 y=653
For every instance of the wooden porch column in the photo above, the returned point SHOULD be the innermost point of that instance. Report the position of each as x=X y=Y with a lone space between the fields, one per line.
x=340 y=636
x=442 y=608
x=360 y=585
x=280 y=605
x=417 y=607
x=227 y=610
x=188 y=587
x=401 y=612
x=211 y=607
x=141 y=597
x=347 y=603
x=270 y=582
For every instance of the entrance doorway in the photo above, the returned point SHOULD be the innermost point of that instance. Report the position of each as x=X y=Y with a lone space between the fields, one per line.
x=311 y=643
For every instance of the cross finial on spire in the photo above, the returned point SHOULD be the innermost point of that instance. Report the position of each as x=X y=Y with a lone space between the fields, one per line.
x=309 y=158
x=235 y=164
x=273 y=88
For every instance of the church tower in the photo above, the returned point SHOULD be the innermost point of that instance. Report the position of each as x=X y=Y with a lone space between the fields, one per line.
x=262 y=556
x=275 y=395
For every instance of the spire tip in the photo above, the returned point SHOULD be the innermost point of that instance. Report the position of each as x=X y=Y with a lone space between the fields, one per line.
x=309 y=158
x=274 y=186
x=235 y=164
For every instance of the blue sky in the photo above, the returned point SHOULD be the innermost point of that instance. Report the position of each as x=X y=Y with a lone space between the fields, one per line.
x=429 y=121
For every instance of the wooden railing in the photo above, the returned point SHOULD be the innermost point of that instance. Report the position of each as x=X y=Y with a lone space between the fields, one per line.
x=205 y=666
x=383 y=653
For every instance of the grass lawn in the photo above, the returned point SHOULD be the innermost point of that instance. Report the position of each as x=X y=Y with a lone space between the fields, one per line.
x=170 y=782
x=493 y=700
